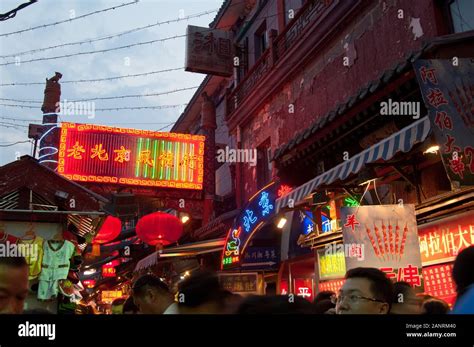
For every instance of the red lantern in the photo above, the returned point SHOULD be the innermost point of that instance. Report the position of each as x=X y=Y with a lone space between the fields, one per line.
x=159 y=229
x=108 y=232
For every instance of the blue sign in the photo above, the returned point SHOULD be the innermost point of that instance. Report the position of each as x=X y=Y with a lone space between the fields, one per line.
x=258 y=210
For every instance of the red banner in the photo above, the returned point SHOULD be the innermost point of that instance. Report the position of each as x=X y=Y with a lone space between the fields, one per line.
x=439 y=283
x=441 y=241
x=332 y=285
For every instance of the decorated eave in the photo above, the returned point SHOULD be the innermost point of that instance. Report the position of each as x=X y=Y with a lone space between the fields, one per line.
x=330 y=119
x=30 y=191
x=432 y=49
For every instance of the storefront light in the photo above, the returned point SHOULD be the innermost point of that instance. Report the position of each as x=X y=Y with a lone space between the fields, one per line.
x=281 y=223
x=432 y=150
x=184 y=219
x=89 y=272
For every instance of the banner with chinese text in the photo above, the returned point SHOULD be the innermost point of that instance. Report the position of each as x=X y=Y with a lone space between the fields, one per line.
x=103 y=154
x=388 y=238
x=448 y=92
x=331 y=264
x=441 y=241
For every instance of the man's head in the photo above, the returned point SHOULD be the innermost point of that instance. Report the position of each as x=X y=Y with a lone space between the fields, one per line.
x=201 y=293
x=117 y=306
x=463 y=275
x=404 y=300
x=151 y=295
x=365 y=291
x=129 y=306
x=13 y=284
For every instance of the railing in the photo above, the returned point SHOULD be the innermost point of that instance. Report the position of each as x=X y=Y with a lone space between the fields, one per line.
x=279 y=45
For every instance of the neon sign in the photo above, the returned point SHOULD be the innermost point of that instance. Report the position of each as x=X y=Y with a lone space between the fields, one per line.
x=95 y=153
x=258 y=209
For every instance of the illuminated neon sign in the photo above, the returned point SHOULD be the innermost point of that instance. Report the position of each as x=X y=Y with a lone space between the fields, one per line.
x=95 y=153
x=255 y=213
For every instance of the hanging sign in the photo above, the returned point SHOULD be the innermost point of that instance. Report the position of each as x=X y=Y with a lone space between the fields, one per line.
x=447 y=87
x=102 y=154
x=384 y=237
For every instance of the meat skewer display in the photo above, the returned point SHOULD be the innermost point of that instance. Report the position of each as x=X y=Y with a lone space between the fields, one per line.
x=372 y=241
x=391 y=238
x=397 y=238
x=379 y=241
x=385 y=239
x=404 y=238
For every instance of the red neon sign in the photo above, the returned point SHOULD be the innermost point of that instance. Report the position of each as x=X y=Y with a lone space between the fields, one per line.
x=95 y=153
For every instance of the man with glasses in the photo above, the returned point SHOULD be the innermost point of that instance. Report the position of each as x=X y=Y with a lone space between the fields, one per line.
x=365 y=291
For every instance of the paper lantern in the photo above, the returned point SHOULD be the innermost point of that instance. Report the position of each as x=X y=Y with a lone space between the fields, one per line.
x=108 y=232
x=159 y=229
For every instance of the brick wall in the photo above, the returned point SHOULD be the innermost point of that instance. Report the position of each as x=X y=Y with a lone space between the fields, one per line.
x=374 y=41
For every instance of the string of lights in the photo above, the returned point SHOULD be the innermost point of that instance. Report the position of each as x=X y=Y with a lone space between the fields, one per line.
x=70 y=19
x=18 y=61
x=15 y=143
x=108 y=37
x=96 y=79
x=155 y=107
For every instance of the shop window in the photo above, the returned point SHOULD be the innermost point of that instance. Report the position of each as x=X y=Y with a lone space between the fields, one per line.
x=260 y=40
x=462 y=15
x=264 y=166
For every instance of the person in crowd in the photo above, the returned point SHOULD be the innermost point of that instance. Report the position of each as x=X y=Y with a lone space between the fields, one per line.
x=405 y=300
x=435 y=306
x=232 y=302
x=365 y=291
x=152 y=296
x=278 y=304
x=13 y=284
x=129 y=306
x=322 y=303
x=201 y=293
x=117 y=306
x=323 y=295
x=463 y=276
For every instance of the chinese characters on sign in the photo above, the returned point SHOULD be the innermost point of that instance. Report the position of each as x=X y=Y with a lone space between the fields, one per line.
x=331 y=264
x=447 y=92
x=439 y=282
x=94 y=153
x=209 y=51
x=239 y=283
x=442 y=241
x=389 y=236
x=332 y=285
x=108 y=296
x=304 y=288
x=257 y=210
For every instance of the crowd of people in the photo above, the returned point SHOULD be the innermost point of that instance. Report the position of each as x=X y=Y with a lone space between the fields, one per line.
x=365 y=291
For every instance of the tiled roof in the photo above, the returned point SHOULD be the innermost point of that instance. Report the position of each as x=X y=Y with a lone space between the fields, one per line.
x=221 y=11
x=340 y=109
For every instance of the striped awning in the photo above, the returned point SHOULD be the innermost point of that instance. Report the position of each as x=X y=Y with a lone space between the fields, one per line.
x=402 y=140
x=186 y=250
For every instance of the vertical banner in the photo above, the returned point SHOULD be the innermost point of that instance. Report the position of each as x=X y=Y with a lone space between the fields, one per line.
x=447 y=87
x=387 y=235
